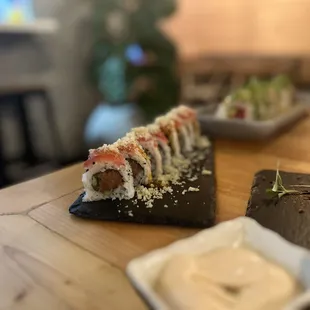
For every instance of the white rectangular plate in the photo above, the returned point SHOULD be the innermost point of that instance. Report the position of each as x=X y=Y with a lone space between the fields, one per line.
x=143 y=271
x=247 y=129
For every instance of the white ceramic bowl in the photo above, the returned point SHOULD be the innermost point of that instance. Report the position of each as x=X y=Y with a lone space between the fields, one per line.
x=143 y=271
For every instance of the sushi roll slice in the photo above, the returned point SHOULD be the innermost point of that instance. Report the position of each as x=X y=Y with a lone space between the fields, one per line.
x=189 y=117
x=185 y=139
x=150 y=147
x=107 y=175
x=168 y=127
x=163 y=144
x=138 y=160
x=186 y=122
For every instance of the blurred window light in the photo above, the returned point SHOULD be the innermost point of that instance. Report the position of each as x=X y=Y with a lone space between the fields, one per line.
x=16 y=11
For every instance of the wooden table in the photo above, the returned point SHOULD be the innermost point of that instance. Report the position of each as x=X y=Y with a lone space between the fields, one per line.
x=51 y=260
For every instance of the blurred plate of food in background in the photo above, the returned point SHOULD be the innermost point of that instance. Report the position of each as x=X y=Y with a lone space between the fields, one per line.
x=257 y=110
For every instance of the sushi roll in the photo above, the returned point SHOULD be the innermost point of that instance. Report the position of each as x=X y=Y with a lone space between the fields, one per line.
x=150 y=147
x=184 y=133
x=189 y=117
x=138 y=160
x=163 y=144
x=186 y=121
x=107 y=175
x=168 y=127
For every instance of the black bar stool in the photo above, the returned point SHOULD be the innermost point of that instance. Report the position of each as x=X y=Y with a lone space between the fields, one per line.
x=18 y=98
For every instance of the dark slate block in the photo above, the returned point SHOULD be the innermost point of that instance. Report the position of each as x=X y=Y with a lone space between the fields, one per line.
x=193 y=209
x=290 y=215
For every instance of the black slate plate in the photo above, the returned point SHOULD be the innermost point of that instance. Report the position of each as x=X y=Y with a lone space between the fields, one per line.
x=290 y=215
x=193 y=209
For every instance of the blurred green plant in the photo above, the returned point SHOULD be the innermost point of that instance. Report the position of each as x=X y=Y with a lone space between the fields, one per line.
x=132 y=60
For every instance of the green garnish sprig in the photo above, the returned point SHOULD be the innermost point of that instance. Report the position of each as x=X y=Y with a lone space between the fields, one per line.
x=279 y=189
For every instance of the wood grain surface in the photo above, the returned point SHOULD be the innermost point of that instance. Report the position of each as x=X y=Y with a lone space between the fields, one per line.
x=51 y=260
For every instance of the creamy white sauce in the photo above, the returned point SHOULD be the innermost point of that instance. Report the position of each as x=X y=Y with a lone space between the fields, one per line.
x=225 y=279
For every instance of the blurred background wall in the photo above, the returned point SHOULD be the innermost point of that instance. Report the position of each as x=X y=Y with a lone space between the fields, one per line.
x=278 y=27
x=230 y=29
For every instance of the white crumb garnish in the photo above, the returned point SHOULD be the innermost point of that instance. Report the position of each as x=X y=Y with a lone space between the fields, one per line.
x=206 y=172
x=184 y=191
x=130 y=213
x=193 y=189
x=145 y=194
x=203 y=142
x=165 y=206
x=175 y=201
x=169 y=190
x=149 y=204
x=187 y=203
x=126 y=206
x=182 y=165
x=119 y=211
x=177 y=183
x=194 y=178
x=172 y=175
